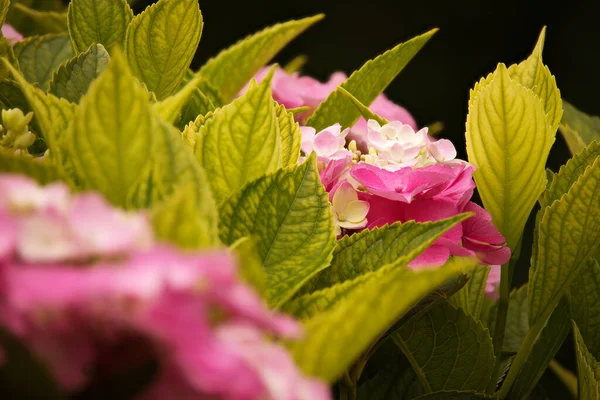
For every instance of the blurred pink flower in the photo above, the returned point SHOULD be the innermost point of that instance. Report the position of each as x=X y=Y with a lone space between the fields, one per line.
x=188 y=311
x=11 y=35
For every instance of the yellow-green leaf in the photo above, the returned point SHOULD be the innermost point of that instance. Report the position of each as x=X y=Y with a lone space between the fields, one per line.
x=73 y=78
x=98 y=21
x=170 y=108
x=250 y=264
x=369 y=250
x=470 y=298
x=111 y=133
x=289 y=215
x=366 y=84
x=41 y=22
x=161 y=43
x=578 y=128
x=362 y=109
x=40 y=171
x=179 y=221
x=4 y=5
x=40 y=56
x=333 y=340
x=508 y=140
x=448 y=349
x=291 y=137
x=241 y=142
x=231 y=69
x=567 y=235
x=6 y=51
x=588 y=386
x=584 y=298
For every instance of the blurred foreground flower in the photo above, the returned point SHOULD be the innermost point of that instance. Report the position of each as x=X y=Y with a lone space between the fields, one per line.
x=89 y=293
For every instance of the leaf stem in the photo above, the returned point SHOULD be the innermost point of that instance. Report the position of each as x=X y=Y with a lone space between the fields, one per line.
x=499 y=329
x=566 y=377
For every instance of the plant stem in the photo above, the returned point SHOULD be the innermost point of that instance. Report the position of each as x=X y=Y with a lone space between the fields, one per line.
x=566 y=377
x=498 y=340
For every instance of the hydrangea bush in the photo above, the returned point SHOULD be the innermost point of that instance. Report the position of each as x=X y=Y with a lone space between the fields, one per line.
x=245 y=232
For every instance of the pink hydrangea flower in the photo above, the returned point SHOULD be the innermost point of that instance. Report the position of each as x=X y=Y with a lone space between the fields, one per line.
x=329 y=144
x=11 y=34
x=189 y=312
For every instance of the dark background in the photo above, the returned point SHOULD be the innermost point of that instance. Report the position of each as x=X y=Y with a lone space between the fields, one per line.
x=474 y=36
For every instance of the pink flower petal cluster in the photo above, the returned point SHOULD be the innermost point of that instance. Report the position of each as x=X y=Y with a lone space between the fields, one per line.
x=106 y=300
x=11 y=34
x=407 y=175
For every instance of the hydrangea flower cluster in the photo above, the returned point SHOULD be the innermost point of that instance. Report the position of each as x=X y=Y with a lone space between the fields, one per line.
x=89 y=291
x=377 y=175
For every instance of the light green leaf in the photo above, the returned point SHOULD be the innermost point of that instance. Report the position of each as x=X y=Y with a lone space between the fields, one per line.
x=517 y=322
x=471 y=297
x=578 y=128
x=73 y=78
x=98 y=21
x=111 y=133
x=179 y=221
x=366 y=84
x=170 y=109
x=587 y=369
x=231 y=69
x=51 y=114
x=362 y=109
x=546 y=345
x=584 y=299
x=241 y=142
x=40 y=56
x=369 y=250
x=296 y=64
x=534 y=75
x=41 y=22
x=334 y=339
x=289 y=215
x=161 y=43
x=508 y=140
x=11 y=95
x=42 y=172
x=455 y=395
x=291 y=137
x=6 y=51
x=250 y=264
x=568 y=233
x=448 y=349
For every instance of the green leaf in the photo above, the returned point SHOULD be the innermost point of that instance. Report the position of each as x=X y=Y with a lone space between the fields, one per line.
x=170 y=109
x=38 y=170
x=161 y=43
x=73 y=78
x=369 y=250
x=296 y=64
x=366 y=84
x=179 y=221
x=333 y=340
x=231 y=69
x=455 y=395
x=394 y=379
x=587 y=369
x=250 y=264
x=546 y=345
x=41 y=22
x=291 y=136
x=6 y=51
x=198 y=104
x=4 y=5
x=362 y=109
x=110 y=136
x=98 y=21
x=472 y=296
x=40 y=56
x=568 y=233
x=289 y=215
x=508 y=140
x=11 y=95
x=241 y=142
x=517 y=322
x=52 y=115
x=534 y=75
x=569 y=173
x=578 y=128
x=448 y=349
x=585 y=304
